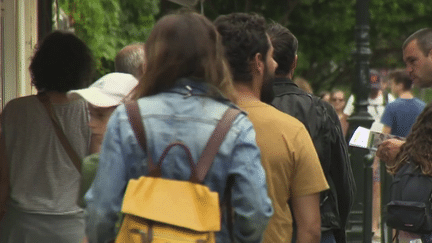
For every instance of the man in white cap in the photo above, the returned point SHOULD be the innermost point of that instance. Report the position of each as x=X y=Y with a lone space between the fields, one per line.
x=103 y=97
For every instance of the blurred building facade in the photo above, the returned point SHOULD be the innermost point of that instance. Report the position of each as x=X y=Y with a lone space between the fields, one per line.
x=22 y=24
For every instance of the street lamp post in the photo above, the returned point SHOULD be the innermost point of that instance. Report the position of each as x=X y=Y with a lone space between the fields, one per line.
x=190 y=3
x=360 y=222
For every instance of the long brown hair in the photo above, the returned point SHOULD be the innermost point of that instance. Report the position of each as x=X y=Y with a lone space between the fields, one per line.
x=185 y=45
x=418 y=145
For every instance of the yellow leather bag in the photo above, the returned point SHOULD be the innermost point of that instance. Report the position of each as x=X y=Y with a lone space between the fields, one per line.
x=160 y=210
x=181 y=211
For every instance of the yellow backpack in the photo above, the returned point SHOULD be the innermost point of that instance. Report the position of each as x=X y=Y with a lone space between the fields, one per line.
x=159 y=210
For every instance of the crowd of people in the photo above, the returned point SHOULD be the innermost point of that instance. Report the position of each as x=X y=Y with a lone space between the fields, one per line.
x=68 y=153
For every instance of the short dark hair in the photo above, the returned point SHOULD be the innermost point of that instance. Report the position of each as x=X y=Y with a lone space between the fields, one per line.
x=243 y=35
x=424 y=40
x=62 y=62
x=400 y=76
x=285 y=46
x=130 y=60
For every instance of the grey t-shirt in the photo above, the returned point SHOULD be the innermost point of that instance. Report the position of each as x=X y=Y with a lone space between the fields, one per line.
x=42 y=176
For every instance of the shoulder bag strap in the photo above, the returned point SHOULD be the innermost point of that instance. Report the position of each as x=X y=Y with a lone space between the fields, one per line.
x=43 y=97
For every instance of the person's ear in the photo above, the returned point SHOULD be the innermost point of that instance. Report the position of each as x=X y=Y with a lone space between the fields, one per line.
x=294 y=64
x=258 y=63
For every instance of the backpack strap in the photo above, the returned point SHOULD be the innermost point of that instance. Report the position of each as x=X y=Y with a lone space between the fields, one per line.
x=213 y=144
x=76 y=160
x=136 y=122
x=207 y=155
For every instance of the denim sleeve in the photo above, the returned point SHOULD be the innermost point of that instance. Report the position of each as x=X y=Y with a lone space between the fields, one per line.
x=251 y=204
x=105 y=196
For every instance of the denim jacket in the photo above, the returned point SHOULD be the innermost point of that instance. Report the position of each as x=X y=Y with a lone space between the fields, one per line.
x=184 y=113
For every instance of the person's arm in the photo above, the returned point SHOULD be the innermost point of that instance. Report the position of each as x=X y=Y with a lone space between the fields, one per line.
x=349 y=108
x=250 y=202
x=105 y=195
x=344 y=125
x=388 y=118
x=308 y=181
x=306 y=212
x=388 y=150
x=386 y=129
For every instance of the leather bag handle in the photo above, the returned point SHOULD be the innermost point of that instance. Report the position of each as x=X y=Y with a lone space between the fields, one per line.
x=207 y=156
x=157 y=172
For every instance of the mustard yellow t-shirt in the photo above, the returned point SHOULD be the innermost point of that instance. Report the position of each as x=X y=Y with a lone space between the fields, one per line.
x=290 y=161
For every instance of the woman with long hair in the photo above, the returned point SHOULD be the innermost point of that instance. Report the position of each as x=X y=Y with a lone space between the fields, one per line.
x=185 y=90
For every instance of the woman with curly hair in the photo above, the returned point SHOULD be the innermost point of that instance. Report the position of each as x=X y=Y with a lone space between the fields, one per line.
x=417 y=150
x=38 y=181
x=418 y=146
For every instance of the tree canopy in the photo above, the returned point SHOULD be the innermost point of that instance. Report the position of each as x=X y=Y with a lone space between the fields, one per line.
x=326 y=32
x=109 y=25
x=325 y=29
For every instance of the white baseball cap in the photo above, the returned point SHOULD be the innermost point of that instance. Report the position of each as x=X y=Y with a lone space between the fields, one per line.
x=109 y=90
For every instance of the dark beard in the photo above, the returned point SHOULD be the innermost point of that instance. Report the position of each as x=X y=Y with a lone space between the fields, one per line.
x=267 y=93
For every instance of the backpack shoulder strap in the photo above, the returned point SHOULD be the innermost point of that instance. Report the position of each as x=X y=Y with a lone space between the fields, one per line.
x=214 y=142
x=135 y=120
x=210 y=150
x=137 y=124
x=208 y=156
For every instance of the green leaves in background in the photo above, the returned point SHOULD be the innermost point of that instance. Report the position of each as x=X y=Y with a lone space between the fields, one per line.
x=324 y=28
x=109 y=25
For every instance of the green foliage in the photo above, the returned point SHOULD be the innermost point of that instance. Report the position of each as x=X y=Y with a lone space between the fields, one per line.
x=108 y=25
x=326 y=32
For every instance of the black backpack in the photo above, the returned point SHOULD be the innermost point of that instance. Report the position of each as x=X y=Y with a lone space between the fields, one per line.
x=409 y=208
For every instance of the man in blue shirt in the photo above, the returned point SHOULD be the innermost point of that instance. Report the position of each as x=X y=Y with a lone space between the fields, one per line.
x=400 y=115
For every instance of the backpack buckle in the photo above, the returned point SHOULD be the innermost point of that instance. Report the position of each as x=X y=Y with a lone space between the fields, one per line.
x=189 y=94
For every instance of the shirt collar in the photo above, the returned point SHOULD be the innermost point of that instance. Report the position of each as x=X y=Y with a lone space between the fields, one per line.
x=285 y=81
x=196 y=87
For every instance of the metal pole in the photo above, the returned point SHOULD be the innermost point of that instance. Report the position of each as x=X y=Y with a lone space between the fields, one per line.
x=368 y=187
x=361 y=87
x=44 y=18
x=359 y=223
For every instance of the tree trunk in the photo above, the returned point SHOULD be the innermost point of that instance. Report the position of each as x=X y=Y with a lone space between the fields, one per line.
x=248 y=5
